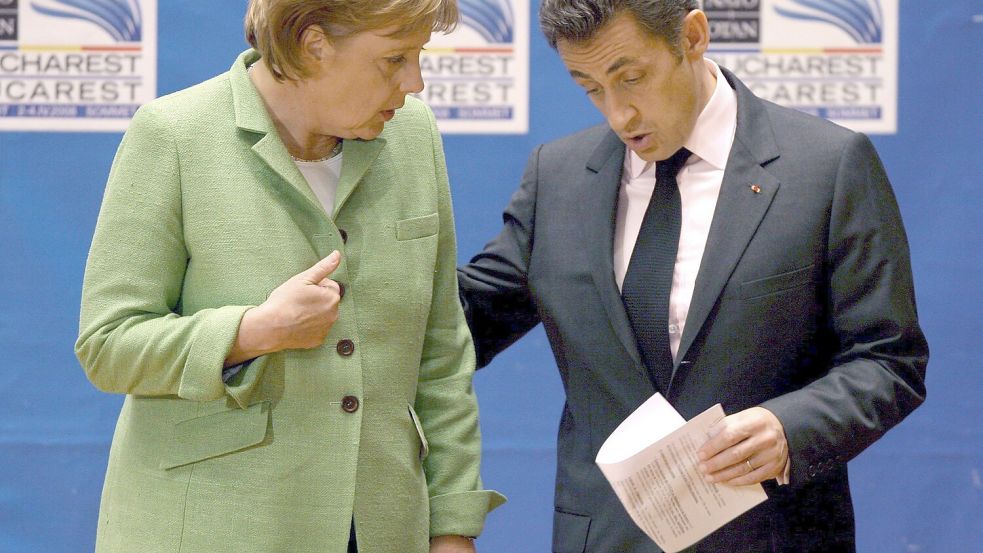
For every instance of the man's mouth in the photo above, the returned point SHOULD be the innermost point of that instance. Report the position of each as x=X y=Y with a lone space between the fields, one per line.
x=638 y=142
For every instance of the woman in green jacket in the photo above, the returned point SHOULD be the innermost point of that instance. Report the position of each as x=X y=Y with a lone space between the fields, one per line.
x=271 y=282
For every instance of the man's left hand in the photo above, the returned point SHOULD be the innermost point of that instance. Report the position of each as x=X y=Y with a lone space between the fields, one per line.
x=451 y=544
x=745 y=448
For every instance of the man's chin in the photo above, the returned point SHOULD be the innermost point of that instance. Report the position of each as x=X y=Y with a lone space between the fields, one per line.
x=651 y=154
x=645 y=147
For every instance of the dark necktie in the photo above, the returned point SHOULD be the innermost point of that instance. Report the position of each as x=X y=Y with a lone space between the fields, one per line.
x=648 y=279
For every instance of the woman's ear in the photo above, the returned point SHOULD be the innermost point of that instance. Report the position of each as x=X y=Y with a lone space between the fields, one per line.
x=315 y=45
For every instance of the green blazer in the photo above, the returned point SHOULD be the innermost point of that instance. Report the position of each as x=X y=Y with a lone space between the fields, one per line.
x=204 y=214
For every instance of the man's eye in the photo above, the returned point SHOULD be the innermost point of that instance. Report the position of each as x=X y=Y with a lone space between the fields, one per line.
x=396 y=60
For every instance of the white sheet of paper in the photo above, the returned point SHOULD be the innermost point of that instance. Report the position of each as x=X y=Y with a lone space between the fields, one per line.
x=650 y=461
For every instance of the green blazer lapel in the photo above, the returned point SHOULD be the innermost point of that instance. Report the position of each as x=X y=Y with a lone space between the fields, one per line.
x=251 y=116
x=359 y=155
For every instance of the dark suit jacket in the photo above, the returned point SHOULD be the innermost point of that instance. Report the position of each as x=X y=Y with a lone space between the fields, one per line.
x=803 y=305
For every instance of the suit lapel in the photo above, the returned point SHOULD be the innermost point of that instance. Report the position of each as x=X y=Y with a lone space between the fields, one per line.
x=603 y=180
x=745 y=196
x=272 y=151
x=251 y=116
x=359 y=155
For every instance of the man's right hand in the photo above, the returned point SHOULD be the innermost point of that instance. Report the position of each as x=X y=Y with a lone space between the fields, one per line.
x=298 y=314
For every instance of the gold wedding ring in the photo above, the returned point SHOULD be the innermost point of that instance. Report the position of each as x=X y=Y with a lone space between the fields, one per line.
x=750 y=468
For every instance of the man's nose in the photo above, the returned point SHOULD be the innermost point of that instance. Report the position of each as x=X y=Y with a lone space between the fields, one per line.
x=620 y=113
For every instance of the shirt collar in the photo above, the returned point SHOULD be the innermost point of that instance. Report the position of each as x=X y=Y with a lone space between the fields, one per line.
x=713 y=134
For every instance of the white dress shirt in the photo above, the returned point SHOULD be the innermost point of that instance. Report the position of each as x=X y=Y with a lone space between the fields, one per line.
x=322 y=176
x=699 y=185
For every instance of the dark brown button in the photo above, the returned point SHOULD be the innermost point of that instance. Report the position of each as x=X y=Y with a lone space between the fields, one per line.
x=349 y=404
x=341 y=290
x=346 y=347
x=344 y=235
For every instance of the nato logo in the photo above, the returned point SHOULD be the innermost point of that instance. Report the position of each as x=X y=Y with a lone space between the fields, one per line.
x=862 y=20
x=8 y=19
x=492 y=19
x=121 y=19
x=734 y=21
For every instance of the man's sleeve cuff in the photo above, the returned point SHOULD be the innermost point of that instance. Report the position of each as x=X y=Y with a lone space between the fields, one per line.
x=784 y=478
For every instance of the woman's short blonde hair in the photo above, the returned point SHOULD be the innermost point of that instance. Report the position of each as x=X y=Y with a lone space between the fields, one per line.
x=274 y=27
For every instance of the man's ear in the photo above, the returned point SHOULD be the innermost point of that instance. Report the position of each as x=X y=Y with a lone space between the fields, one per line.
x=696 y=34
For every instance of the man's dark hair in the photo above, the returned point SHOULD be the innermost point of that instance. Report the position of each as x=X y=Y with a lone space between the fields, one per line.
x=579 y=20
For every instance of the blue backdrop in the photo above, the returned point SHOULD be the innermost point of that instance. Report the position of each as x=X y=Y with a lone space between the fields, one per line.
x=917 y=490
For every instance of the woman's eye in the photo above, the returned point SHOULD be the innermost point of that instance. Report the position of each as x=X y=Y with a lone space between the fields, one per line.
x=396 y=60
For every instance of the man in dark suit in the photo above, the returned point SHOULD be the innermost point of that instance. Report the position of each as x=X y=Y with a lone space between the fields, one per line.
x=714 y=247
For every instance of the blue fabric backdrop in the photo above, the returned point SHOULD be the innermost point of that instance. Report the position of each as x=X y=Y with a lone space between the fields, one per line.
x=917 y=490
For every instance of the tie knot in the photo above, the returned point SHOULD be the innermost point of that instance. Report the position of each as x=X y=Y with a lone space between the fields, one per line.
x=669 y=168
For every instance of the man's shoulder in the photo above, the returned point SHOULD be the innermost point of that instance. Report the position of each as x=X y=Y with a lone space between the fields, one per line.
x=803 y=124
x=807 y=140
x=789 y=126
x=580 y=143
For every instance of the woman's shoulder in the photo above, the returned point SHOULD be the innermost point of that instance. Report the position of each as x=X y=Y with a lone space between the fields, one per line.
x=195 y=105
x=414 y=118
x=415 y=106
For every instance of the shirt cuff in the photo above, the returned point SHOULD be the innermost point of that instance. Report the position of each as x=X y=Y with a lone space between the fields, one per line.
x=783 y=478
x=228 y=373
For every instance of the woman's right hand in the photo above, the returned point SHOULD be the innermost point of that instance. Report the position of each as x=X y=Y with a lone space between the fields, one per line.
x=298 y=314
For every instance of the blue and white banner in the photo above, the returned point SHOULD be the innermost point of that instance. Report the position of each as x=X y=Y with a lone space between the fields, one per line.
x=837 y=59
x=76 y=65
x=477 y=78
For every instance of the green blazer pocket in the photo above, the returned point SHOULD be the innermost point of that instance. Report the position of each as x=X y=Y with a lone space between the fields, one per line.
x=417 y=227
x=216 y=434
x=424 y=445
x=777 y=283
